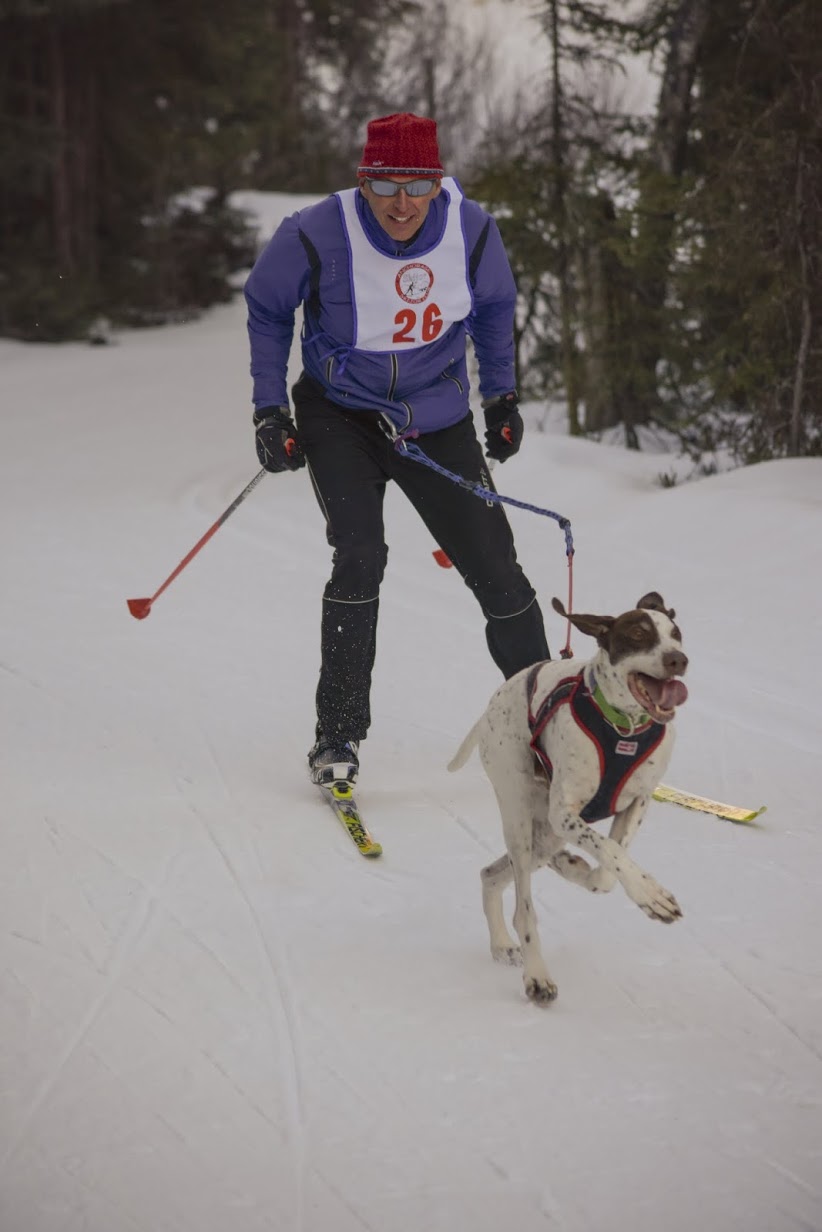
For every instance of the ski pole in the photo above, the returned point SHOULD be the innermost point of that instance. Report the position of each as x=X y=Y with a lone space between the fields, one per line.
x=140 y=608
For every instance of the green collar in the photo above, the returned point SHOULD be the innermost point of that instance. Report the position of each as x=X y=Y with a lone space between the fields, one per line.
x=617 y=718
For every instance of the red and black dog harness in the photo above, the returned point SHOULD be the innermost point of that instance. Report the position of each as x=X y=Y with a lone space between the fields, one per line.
x=620 y=753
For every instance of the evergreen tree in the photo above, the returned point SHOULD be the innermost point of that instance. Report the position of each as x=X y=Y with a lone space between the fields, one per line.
x=553 y=167
x=747 y=358
x=113 y=110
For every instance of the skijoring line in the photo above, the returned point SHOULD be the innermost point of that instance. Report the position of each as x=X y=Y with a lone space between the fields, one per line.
x=403 y=446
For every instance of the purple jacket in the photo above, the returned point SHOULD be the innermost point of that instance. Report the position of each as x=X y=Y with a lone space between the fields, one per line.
x=307 y=262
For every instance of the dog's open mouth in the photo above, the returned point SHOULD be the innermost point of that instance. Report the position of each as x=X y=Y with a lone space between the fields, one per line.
x=659 y=698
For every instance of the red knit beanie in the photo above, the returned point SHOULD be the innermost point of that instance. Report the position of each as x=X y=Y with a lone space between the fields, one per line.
x=401 y=144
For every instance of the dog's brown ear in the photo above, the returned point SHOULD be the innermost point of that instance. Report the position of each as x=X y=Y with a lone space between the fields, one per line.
x=593 y=626
x=654 y=602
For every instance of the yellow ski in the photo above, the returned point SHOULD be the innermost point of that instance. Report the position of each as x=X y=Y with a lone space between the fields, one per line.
x=340 y=796
x=701 y=804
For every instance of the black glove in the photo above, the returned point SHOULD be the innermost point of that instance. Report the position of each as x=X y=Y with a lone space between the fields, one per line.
x=278 y=446
x=504 y=426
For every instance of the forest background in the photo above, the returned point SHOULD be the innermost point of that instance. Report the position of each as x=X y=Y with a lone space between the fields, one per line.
x=668 y=258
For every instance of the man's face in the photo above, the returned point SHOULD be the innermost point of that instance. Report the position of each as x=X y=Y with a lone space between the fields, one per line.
x=400 y=216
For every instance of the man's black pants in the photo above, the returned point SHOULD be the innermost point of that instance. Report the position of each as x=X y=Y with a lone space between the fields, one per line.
x=350 y=460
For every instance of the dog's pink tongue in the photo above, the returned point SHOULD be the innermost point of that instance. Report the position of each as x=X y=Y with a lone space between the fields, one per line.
x=673 y=693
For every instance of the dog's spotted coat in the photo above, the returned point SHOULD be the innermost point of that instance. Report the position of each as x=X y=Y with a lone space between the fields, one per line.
x=636 y=668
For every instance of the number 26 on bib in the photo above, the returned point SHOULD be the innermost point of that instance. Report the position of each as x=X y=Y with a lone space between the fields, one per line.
x=415 y=327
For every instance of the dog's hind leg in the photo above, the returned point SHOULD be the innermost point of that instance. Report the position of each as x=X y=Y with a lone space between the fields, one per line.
x=495 y=877
x=520 y=802
x=539 y=986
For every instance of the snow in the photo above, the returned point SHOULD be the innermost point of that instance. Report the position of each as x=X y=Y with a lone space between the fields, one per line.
x=214 y=1013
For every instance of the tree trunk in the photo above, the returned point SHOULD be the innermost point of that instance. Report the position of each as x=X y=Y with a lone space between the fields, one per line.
x=61 y=177
x=797 y=396
x=659 y=184
x=606 y=318
x=567 y=345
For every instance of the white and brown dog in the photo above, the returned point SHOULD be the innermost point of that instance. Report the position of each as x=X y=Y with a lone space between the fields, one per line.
x=569 y=743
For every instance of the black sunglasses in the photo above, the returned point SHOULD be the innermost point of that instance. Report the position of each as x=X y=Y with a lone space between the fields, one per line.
x=390 y=188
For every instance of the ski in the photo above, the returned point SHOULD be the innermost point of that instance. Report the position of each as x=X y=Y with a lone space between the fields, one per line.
x=340 y=796
x=728 y=812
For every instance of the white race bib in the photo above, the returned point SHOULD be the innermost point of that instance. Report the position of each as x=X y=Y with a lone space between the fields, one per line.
x=400 y=302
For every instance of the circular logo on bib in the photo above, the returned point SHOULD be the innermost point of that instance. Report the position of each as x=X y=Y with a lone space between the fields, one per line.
x=414 y=282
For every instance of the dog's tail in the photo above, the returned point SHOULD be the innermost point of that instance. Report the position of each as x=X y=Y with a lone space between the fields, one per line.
x=466 y=748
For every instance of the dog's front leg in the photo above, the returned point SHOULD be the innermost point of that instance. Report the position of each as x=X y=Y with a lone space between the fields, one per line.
x=657 y=902
x=623 y=831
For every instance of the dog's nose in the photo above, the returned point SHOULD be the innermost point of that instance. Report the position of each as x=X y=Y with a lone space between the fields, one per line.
x=675 y=662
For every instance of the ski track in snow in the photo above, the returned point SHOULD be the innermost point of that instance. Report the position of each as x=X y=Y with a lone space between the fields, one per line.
x=759 y=999
x=117 y=965
x=280 y=997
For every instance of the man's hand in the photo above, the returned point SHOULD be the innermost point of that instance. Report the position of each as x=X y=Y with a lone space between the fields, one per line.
x=278 y=446
x=504 y=426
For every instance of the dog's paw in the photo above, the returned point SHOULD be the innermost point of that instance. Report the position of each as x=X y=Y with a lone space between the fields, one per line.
x=571 y=867
x=659 y=903
x=600 y=881
x=541 y=991
x=510 y=955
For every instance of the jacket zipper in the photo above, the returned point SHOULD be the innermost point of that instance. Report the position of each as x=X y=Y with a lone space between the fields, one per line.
x=448 y=377
x=395 y=369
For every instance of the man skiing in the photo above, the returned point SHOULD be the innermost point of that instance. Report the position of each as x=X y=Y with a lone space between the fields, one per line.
x=392 y=275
